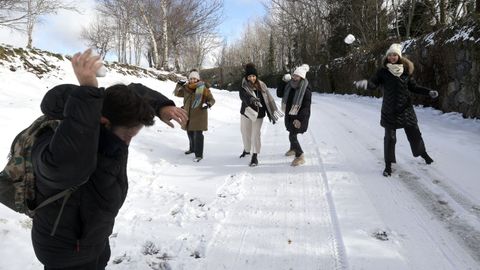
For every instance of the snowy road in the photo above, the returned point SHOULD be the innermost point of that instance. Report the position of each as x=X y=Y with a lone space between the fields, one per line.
x=337 y=211
x=430 y=222
x=286 y=219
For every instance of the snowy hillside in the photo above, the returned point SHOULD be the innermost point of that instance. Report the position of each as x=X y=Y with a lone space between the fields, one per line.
x=335 y=212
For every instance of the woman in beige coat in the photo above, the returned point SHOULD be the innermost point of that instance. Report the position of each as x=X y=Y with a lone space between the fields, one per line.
x=197 y=99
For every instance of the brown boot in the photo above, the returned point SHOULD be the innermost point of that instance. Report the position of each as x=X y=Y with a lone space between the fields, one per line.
x=298 y=161
x=290 y=153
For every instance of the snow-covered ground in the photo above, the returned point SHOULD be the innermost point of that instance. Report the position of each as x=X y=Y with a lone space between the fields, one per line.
x=335 y=212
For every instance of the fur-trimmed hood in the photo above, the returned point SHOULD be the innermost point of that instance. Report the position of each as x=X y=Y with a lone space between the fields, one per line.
x=407 y=64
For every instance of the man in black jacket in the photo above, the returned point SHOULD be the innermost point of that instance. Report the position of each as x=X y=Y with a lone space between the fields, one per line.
x=89 y=151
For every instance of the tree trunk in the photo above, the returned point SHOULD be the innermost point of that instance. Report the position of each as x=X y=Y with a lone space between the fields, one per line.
x=165 y=36
x=29 y=34
x=408 y=27
x=155 y=54
x=443 y=12
x=30 y=24
x=175 y=53
x=477 y=6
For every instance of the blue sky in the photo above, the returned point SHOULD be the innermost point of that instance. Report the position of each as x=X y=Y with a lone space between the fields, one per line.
x=60 y=33
x=237 y=14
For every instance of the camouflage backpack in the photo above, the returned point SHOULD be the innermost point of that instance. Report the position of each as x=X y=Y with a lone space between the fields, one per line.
x=17 y=180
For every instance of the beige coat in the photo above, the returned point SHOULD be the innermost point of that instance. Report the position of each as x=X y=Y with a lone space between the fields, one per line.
x=197 y=117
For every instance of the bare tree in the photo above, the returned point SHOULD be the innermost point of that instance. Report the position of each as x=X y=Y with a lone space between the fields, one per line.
x=162 y=27
x=191 y=18
x=122 y=12
x=10 y=15
x=99 y=35
x=148 y=12
x=195 y=50
x=164 y=16
x=35 y=9
x=411 y=13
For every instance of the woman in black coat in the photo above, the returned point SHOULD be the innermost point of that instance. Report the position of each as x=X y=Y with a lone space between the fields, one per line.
x=296 y=101
x=395 y=77
x=257 y=102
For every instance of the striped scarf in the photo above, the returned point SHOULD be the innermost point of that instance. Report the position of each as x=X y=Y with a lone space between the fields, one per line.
x=199 y=89
x=297 y=99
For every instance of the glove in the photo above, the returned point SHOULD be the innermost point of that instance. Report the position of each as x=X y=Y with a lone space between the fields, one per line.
x=182 y=82
x=205 y=106
x=362 y=84
x=433 y=94
x=297 y=124
x=287 y=77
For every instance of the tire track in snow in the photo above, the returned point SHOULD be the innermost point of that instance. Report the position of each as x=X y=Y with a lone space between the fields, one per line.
x=339 y=247
x=455 y=218
x=466 y=231
x=284 y=220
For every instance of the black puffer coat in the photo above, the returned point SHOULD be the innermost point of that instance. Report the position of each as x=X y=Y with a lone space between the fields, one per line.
x=397 y=108
x=303 y=114
x=80 y=150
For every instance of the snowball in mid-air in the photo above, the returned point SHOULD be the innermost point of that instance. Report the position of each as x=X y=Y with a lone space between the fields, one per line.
x=349 y=39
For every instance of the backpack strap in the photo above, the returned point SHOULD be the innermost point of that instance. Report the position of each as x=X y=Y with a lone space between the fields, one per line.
x=66 y=195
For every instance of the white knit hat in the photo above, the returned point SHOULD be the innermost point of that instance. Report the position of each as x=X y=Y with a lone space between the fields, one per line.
x=302 y=70
x=194 y=75
x=396 y=49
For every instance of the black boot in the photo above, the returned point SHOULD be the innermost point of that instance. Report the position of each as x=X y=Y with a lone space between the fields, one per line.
x=388 y=170
x=244 y=154
x=427 y=158
x=188 y=152
x=254 y=161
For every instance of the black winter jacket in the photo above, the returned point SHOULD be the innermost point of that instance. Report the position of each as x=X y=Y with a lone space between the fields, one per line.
x=80 y=151
x=303 y=114
x=397 y=108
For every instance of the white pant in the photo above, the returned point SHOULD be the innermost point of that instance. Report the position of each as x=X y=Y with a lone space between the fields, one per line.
x=251 y=134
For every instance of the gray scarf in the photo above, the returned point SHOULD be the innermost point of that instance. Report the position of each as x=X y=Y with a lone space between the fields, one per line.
x=274 y=112
x=297 y=99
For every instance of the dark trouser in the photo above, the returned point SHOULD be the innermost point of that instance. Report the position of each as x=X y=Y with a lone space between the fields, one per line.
x=196 y=142
x=414 y=137
x=294 y=144
x=99 y=264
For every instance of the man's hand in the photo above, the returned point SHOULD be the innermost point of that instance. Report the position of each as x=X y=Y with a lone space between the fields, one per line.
x=169 y=113
x=85 y=66
x=297 y=124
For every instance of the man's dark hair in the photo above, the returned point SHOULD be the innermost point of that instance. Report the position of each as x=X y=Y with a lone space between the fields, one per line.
x=124 y=107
